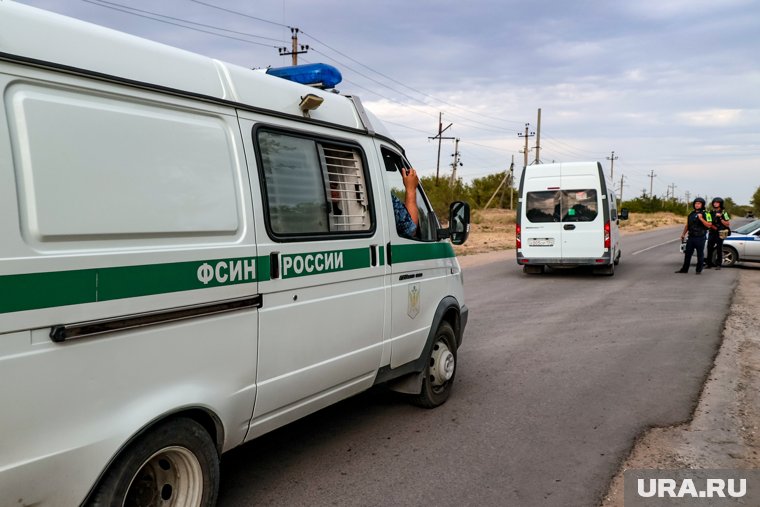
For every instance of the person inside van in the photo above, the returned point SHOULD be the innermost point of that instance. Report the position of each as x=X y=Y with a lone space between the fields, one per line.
x=406 y=213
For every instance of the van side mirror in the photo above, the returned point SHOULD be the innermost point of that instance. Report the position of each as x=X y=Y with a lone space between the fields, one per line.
x=459 y=222
x=623 y=214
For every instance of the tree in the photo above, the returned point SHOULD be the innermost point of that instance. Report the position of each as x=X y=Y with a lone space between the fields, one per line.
x=441 y=193
x=729 y=205
x=755 y=202
x=481 y=189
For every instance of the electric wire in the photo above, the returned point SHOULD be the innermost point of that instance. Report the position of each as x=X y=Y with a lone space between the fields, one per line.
x=131 y=10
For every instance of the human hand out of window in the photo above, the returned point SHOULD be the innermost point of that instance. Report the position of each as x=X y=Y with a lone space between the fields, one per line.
x=411 y=180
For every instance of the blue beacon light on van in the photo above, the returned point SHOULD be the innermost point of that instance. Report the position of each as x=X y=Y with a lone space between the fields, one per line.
x=312 y=74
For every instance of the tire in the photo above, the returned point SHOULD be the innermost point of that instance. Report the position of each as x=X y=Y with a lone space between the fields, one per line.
x=608 y=270
x=730 y=256
x=533 y=270
x=441 y=369
x=174 y=464
x=617 y=257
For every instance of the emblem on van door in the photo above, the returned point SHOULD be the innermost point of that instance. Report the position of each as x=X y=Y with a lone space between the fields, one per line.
x=413 y=308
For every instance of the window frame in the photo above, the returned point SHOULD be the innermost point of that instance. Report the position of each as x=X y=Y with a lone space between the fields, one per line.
x=317 y=139
x=432 y=219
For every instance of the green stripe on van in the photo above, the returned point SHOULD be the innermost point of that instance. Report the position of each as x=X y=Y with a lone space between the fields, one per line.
x=46 y=290
x=33 y=291
x=421 y=252
x=315 y=263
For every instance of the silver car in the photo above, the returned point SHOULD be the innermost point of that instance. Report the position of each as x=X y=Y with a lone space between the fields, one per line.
x=742 y=245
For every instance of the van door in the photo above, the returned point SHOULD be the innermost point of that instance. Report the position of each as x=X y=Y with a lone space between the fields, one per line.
x=419 y=267
x=321 y=322
x=582 y=215
x=540 y=214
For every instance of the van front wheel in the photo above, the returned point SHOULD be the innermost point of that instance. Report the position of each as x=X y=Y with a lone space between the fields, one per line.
x=175 y=464
x=438 y=377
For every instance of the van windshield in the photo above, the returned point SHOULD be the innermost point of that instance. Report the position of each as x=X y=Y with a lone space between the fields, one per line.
x=579 y=205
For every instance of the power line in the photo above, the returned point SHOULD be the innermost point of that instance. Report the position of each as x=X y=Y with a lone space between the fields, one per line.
x=135 y=12
x=182 y=23
x=402 y=83
x=239 y=13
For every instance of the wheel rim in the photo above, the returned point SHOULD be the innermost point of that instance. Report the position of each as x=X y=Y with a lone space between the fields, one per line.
x=442 y=364
x=171 y=477
x=728 y=257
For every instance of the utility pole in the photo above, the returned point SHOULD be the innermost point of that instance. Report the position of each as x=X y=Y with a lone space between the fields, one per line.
x=688 y=200
x=538 y=138
x=526 y=136
x=512 y=184
x=455 y=163
x=507 y=178
x=612 y=158
x=672 y=190
x=652 y=175
x=294 y=52
x=622 y=179
x=441 y=130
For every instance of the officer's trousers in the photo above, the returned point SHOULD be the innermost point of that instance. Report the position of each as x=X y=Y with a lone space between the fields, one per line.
x=694 y=243
x=714 y=249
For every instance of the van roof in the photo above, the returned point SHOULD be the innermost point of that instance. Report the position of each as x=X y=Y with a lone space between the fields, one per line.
x=26 y=34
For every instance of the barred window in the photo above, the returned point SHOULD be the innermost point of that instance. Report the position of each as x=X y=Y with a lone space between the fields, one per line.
x=313 y=187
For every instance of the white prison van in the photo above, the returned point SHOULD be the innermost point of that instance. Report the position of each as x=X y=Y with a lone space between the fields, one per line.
x=567 y=217
x=194 y=254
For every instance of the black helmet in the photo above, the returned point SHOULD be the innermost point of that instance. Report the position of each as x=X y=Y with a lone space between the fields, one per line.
x=698 y=199
x=719 y=200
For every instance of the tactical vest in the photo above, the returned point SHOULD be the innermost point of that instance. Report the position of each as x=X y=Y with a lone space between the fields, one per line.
x=696 y=228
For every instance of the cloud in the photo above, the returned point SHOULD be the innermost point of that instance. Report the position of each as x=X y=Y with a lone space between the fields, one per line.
x=711 y=117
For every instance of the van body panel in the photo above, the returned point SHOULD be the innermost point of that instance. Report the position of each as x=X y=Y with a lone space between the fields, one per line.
x=98 y=392
x=562 y=213
x=322 y=324
x=178 y=237
x=420 y=269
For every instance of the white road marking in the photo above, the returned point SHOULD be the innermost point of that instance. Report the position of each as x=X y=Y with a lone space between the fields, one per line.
x=655 y=246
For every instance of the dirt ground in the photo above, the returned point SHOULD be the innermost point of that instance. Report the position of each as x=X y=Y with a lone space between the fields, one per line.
x=724 y=432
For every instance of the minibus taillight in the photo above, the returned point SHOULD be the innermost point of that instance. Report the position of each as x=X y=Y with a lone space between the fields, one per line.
x=607 y=235
x=518 y=241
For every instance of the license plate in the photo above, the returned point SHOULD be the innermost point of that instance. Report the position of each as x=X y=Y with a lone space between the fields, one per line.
x=541 y=241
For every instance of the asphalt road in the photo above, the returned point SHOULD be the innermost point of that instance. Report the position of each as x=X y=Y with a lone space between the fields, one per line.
x=557 y=376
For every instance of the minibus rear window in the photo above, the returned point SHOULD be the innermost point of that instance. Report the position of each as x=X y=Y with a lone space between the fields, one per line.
x=579 y=205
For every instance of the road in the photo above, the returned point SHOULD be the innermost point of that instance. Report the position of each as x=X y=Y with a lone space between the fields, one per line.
x=557 y=376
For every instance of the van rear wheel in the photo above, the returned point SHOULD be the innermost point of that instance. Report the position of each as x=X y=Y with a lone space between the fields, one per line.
x=607 y=270
x=438 y=377
x=175 y=464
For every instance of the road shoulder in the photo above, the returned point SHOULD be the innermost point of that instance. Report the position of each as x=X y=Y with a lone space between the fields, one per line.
x=724 y=432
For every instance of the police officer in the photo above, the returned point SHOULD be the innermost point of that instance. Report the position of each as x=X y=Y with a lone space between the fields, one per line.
x=697 y=225
x=720 y=222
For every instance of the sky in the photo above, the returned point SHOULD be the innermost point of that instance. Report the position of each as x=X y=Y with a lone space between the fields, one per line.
x=672 y=87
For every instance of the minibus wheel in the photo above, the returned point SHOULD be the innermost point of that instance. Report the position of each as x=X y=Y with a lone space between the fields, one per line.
x=607 y=270
x=174 y=464
x=438 y=377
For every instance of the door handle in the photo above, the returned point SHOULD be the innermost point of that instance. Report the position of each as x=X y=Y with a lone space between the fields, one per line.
x=569 y=227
